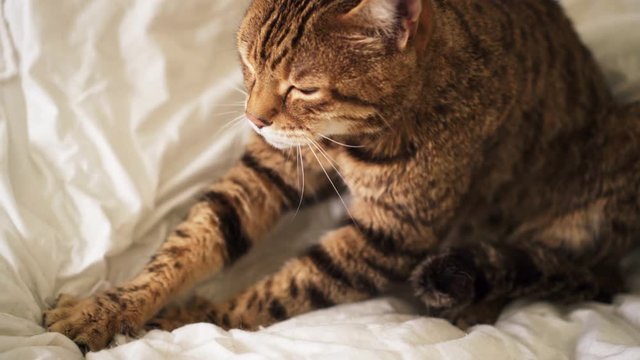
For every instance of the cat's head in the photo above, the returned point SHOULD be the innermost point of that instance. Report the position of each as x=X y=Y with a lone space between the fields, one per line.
x=325 y=68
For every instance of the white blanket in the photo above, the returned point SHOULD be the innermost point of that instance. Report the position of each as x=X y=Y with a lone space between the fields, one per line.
x=110 y=119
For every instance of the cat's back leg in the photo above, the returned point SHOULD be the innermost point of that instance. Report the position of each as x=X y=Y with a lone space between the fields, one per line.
x=470 y=283
x=566 y=254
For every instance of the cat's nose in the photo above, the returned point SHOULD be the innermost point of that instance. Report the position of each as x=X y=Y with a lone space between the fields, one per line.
x=258 y=121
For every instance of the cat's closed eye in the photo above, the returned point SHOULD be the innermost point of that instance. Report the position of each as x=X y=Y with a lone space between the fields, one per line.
x=308 y=91
x=303 y=90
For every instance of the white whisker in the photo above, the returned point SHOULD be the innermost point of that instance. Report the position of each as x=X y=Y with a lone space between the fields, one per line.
x=298 y=165
x=339 y=143
x=384 y=120
x=287 y=155
x=329 y=159
x=235 y=120
x=302 y=187
x=331 y=181
x=322 y=151
x=238 y=104
x=228 y=113
x=235 y=87
x=229 y=125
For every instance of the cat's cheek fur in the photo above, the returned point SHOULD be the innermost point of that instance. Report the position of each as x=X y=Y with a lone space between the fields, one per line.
x=335 y=127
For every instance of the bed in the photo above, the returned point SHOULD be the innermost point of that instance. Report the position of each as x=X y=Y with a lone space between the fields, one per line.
x=114 y=115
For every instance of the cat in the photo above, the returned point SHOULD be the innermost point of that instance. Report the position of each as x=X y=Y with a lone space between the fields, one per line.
x=485 y=157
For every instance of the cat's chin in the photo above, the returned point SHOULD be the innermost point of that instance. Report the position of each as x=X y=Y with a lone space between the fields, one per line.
x=281 y=141
x=280 y=145
x=284 y=144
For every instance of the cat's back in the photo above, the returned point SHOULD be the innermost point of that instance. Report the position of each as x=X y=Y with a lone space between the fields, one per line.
x=510 y=27
x=527 y=48
x=528 y=52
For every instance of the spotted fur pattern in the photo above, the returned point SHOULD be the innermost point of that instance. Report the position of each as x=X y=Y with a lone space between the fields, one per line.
x=485 y=157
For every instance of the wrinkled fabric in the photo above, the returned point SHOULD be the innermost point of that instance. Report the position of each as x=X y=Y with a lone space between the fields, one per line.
x=114 y=115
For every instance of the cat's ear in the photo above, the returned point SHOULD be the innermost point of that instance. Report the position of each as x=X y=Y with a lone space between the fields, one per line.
x=393 y=17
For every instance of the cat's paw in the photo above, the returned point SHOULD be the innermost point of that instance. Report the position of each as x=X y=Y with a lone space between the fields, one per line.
x=91 y=323
x=445 y=282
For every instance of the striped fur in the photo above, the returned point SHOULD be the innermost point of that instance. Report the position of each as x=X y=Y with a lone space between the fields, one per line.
x=479 y=157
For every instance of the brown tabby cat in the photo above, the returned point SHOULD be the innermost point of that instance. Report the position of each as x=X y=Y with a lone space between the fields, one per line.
x=482 y=149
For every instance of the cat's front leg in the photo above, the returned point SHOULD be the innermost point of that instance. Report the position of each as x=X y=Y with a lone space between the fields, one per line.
x=212 y=237
x=350 y=264
x=221 y=227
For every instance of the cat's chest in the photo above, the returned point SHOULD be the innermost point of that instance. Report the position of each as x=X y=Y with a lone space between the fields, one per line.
x=370 y=179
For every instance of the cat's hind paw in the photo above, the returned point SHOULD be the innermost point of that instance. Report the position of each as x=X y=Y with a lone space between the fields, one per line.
x=446 y=282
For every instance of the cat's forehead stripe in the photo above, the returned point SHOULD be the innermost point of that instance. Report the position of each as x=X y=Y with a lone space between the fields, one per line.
x=270 y=26
x=283 y=29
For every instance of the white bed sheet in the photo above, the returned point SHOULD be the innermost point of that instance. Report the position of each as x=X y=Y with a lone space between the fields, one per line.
x=110 y=123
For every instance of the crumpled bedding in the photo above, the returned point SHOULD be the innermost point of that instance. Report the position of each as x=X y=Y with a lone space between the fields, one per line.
x=115 y=114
